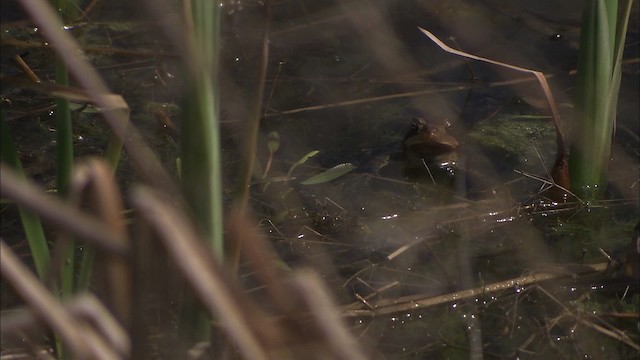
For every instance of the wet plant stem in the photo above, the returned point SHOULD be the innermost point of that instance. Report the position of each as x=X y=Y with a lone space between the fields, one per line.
x=64 y=163
x=200 y=146
x=602 y=41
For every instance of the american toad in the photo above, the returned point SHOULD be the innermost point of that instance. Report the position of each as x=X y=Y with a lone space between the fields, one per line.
x=427 y=144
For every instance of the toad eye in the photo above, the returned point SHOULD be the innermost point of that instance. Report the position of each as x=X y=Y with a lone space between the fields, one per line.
x=418 y=124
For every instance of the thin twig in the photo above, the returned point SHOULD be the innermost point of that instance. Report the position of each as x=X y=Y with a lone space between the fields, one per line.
x=415 y=302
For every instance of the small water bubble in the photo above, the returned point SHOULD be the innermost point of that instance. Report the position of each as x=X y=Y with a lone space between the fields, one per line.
x=555 y=37
x=388 y=217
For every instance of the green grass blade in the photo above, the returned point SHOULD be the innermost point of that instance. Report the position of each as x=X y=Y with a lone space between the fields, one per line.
x=201 y=159
x=621 y=31
x=64 y=160
x=596 y=94
x=86 y=268
x=330 y=174
x=31 y=224
x=64 y=135
x=302 y=161
x=201 y=167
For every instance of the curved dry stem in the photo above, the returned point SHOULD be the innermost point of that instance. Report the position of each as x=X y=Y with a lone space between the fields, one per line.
x=76 y=334
x=25 y=193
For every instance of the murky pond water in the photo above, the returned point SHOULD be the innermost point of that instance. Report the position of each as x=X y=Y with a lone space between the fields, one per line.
x=346 y=79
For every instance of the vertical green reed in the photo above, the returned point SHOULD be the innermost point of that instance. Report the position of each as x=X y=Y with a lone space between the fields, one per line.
x=200 y=133
x=64 y=153
x=64 y=165
x=200 y=146
x=601 y=47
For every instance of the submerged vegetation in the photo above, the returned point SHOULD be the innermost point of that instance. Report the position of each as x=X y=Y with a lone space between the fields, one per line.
x=339 y=239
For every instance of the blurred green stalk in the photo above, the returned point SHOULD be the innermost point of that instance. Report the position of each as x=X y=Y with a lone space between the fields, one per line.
x=64 y=165
x=601 y=48
x=200 y=147
x=200 y=133
x=64 y=160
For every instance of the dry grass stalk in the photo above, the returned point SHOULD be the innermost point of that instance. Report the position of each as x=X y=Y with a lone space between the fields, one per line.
x=92 y=180
x=198 y=266
x=415 y=302
x=62 y=215
x=81 y=339
x=84 y=306
x=295 y=300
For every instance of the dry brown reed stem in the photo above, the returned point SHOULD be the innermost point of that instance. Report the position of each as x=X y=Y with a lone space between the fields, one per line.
x=251 y=136
x=93 y=180
x=113 y=108
x=340 y=342
x=296 y=297
x=83 y=342
x=560 y=172
x=261 y=257
x=26 y=44
x=415 y=302
x=204 y=275
x=84 y=306
x=28 y=195
x=26 y=69
x=440 y=90
x=253 y=124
